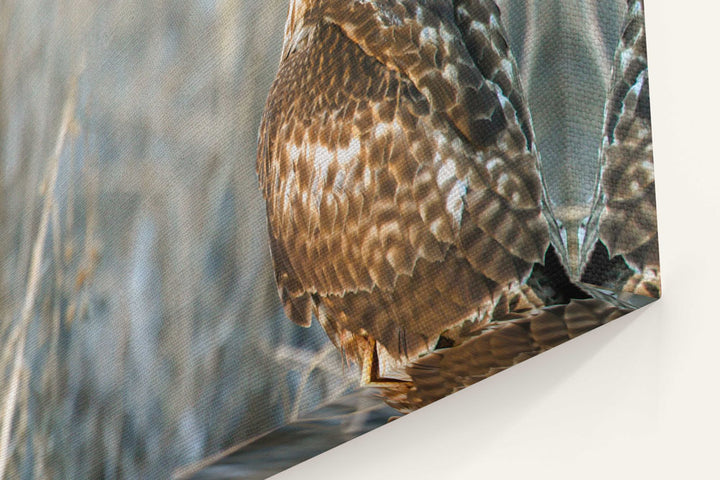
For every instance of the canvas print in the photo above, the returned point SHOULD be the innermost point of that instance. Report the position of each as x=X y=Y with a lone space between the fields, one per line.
x=237 y=234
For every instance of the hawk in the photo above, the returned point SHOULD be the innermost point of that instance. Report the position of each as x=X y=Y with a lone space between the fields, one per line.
x=405 y=200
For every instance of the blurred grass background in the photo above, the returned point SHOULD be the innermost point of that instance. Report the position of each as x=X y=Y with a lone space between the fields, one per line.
x=140 y=329
x=139 y=320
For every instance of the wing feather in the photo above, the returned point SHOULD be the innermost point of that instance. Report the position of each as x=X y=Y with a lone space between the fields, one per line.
x=624 y=216
x=401 y=188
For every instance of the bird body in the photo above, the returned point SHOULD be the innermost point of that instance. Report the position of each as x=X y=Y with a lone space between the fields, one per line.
x=405 y=201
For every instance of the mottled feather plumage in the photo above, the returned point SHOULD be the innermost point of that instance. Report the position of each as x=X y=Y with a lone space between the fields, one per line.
x=624 y=215
x=405 y=202
x=390 y=168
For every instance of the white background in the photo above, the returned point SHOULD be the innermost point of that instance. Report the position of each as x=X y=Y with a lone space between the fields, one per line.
x=638 y=398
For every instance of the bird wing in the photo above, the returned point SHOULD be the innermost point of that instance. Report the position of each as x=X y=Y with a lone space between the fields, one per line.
x=624 y=214
x=401 y=188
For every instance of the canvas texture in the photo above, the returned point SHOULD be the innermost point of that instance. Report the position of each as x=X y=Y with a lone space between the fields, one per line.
x=234 y=235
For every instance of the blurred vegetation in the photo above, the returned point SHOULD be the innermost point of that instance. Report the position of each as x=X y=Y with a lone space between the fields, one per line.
x=139 y=321
x=140 y=329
